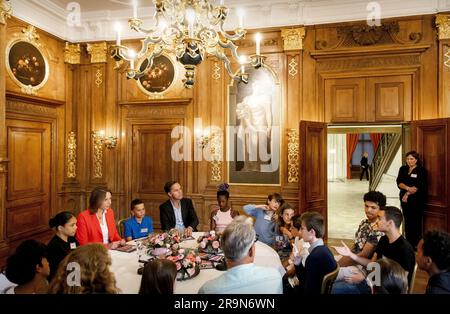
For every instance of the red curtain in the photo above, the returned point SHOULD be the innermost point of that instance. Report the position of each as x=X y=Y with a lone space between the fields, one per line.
x=352 y=141
x=375 y=138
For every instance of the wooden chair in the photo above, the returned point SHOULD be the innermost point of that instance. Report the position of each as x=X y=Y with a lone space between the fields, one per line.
x=413 y=279
x=328 y=281
x=121 y=227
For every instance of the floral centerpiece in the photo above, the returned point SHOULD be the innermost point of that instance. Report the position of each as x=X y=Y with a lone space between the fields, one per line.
x=167 y=245
x=210 y=243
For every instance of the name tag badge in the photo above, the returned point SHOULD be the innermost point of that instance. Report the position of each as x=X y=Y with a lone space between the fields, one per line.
x=73 y=245
x=267 y=217
x=144 y=230
x=413 y=175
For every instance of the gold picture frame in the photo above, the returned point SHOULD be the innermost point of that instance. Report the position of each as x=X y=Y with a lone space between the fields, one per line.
x=26 y=62
x=160 y=78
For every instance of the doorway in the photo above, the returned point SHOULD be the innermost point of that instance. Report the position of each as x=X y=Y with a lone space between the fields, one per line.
x=347 y=182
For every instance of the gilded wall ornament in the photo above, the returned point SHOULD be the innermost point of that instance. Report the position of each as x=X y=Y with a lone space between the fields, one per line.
x=72 y=155
x=5 y=11
x=72 y=53
x=293 y=38
x=98 y=52
x=293 y=155
x=443 y=25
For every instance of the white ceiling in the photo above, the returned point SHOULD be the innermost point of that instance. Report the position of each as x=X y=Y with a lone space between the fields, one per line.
x=98 y=17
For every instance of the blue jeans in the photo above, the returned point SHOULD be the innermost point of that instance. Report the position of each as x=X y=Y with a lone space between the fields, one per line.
x=342 y=287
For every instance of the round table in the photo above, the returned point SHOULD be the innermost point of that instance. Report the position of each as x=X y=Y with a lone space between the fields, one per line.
x=125 y=265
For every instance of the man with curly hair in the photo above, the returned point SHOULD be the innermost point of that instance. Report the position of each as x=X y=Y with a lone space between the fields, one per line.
x=433 y=256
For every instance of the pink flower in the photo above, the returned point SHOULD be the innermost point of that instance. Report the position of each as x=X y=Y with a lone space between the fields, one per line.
x=216 y=245
x=203 y=244
x=198 y=259
x=181 y=251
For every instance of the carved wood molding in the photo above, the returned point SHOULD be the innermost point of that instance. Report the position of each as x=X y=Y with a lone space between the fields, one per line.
x=97 y=142
x=373 y=62
x=365 y=51
x=293 y=38
x=22 y=107
x=71 y=155
x=98 y=52
x=293 y=155
x=216 y=157
x=361 y=35
x=34 y=100
x=446 y=51
x=152 y=111
x=443 y=26
x=72 y=53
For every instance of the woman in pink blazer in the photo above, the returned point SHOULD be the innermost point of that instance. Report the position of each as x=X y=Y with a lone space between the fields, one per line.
x=96 y=224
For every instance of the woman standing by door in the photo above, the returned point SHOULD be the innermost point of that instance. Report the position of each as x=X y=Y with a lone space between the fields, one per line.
x=412 y=182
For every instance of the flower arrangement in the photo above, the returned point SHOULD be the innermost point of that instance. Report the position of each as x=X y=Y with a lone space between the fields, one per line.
x=167 y=245
x=164 y=243
x=209 y=242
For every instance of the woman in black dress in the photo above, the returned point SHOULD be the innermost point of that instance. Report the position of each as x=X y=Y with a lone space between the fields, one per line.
x=412 y=182
x=63 y=242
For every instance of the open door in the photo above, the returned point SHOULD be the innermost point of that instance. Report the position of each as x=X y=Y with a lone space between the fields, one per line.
x=431 y=139
x=313 y=168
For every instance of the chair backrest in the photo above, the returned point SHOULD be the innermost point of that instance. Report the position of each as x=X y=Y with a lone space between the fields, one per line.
x=328 y=281
x=121 y=227
x=413 y=279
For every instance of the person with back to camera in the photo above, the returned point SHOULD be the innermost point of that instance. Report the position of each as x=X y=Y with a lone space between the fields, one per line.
x=63 y=242
x=159 y=277
x=222 y=214
x=412 y=182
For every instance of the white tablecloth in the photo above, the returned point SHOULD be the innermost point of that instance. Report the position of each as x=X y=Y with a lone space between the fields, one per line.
x=125 y=265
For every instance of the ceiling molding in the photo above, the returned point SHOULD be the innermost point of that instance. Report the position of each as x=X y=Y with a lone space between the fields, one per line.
x=98 y=24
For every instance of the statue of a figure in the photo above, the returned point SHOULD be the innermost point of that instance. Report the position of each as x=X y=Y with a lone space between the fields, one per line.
x=255 y=114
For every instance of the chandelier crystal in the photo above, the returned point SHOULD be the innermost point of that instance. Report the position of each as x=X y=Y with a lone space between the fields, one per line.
x=191 y=29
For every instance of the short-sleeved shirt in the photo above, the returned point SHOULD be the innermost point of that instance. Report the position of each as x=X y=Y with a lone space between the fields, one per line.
x=366 y=233
x=265 y=226
x=136 y=230
x=400 y=251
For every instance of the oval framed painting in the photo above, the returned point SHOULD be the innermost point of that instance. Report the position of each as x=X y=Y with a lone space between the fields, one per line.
x=26 y=65
x=160 y=77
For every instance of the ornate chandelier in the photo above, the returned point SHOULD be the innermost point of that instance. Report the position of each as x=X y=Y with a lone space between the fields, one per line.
x=190 y=29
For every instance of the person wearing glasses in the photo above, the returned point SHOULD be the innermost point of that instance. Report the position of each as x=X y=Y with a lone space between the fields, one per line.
x=243 y=276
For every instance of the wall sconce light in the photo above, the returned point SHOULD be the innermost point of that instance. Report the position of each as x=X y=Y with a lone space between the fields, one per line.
x=203 y=137
x=109 y=141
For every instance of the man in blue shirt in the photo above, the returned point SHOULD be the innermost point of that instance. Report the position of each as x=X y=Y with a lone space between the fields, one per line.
x=139 y=225
x=243 y=276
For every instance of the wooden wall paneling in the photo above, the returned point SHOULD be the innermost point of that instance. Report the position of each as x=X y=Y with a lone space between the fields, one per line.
x=444 y=77
x=431 y=139
x=3 y=148
x=31 y=177
x=390 y=96
x=311 y=110
x=293 y=93
x=344 y=100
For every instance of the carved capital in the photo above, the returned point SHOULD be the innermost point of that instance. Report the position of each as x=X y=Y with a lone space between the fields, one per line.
x=72 y=53
x=443 y=26
x=98 y=52
x=293 y=38
x=5 y=11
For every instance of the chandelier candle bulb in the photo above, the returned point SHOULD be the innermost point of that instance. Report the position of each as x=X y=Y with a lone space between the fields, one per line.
x=135 y=9
x=258 y=44
x=118 y=29
x=241 y=18
x=222 y=2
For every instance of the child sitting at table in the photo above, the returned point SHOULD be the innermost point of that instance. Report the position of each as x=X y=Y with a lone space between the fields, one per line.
x=222 y=214
x=139 y=225
x=286 y=231
x=266 y=217
x=158 y=277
